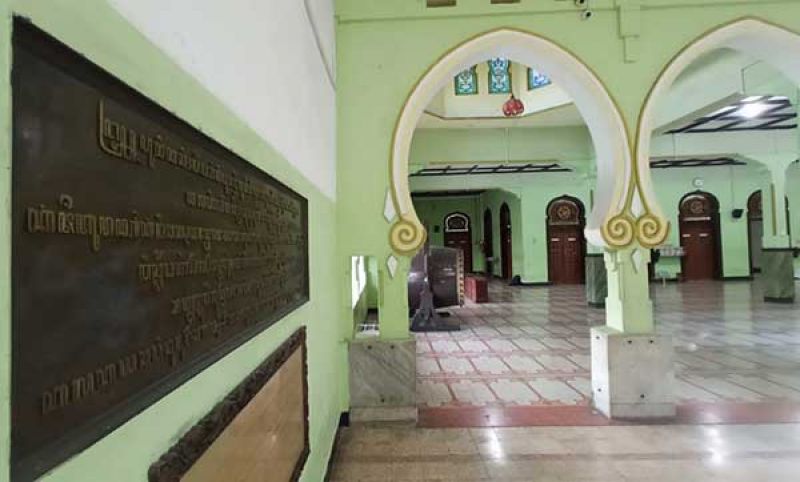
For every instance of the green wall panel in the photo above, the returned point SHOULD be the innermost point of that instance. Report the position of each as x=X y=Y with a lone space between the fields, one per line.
x=97 y=31
x=432 y=211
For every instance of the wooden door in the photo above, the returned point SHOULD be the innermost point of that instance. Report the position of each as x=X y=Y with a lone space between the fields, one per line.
x=488 y=241
x=565 y=255
x=697 y=239
x=566 y=243
x=755 y=231
x=506 y=251
x=458 y=234
x=699 y=231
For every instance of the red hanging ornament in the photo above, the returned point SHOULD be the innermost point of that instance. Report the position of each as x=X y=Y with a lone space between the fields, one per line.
x=513 y=107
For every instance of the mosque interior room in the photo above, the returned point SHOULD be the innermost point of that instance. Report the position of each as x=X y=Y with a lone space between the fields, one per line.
x=397 y=241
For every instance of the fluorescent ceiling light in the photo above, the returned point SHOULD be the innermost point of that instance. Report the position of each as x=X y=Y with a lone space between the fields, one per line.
x=752 y=98
x=751 y=111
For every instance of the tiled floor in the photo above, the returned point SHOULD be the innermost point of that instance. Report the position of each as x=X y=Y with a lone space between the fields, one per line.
x=529 y=348
x=675 y=453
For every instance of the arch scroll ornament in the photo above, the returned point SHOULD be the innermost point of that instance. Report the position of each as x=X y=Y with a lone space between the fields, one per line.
x=614 y=222
x=759 y=39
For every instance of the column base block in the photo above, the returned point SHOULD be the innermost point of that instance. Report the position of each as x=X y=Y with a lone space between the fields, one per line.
x=384 y=414
x=596 y=280
x=777 y=275
x=383 y=380
x=632 y=374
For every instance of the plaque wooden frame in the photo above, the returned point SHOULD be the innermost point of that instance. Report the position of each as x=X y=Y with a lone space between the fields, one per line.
x=173 y=464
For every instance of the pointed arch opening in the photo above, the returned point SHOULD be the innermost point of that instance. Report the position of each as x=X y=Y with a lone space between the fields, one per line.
x=772 y=44
x=599 y=110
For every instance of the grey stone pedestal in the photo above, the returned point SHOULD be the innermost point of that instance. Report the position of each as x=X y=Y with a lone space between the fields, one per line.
x=383 y=380
x=632 y=374
x=596 y=281
x=777 y=274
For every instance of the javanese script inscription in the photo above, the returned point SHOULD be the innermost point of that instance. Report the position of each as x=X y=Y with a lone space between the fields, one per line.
x=143 y=251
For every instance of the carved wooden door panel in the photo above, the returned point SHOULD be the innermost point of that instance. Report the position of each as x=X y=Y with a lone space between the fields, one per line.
x=462 y=241
x=699 y=229
x=755 y=230
x=505 y=241
x=566 y=244
x=756 y=235
x=555 y=251
x=573 y=256
x=698 y=241
x=565 y=255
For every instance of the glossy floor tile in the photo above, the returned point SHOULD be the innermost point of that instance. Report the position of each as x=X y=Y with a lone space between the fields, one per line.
x=737 y=453
x=529 y=347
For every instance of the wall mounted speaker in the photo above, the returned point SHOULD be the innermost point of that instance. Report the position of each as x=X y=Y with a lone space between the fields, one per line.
x=737 y=213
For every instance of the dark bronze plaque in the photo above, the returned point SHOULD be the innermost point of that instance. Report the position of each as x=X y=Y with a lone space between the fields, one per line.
x=143 y=251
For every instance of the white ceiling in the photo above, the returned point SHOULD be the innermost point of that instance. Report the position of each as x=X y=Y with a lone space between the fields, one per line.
x=561 y=116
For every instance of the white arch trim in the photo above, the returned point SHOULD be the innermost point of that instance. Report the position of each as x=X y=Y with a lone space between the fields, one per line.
x=761 y=40
x=456 y=215
x=595 y=104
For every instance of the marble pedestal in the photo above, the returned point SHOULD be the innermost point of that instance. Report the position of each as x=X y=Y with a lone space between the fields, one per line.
x=383 y=380
x=596 y=281
x=777 y=274
x=632 y=374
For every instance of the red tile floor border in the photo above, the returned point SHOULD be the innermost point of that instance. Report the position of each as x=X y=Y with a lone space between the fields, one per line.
x=582 y=416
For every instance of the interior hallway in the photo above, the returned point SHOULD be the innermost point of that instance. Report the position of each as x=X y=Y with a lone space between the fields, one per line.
x=677 y=453
x=524 y=359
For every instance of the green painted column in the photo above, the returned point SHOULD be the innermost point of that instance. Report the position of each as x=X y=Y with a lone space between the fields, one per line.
x=393 y=299
x=628 y=305
x=596 y=279
x=632 y=366
x=777 y=258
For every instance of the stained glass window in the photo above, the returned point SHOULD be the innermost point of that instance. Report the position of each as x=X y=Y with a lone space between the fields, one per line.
x=537 y=79
x=499 y=76
x=467 y=82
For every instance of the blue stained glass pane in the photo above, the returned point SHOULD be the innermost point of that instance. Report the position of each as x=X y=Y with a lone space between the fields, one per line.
x=537 y=79
x=466 y=82
x=499 y=76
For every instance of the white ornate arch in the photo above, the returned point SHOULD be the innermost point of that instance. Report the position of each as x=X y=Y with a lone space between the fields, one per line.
x=759 y=39
x=610 y=223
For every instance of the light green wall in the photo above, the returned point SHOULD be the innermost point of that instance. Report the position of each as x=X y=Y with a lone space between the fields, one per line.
x=432 y=211
x=731 y=186
x=494 y=200
x=528 y=196
x=498 y=145
x=535 y=200
x=532 y=193
x=94 y=29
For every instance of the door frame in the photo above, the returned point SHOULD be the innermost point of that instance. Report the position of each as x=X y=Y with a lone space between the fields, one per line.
x=581 y=226
x=715 y=225
x=446 y=229
x=506 y=242
x=751 y=218
x=488 y=241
